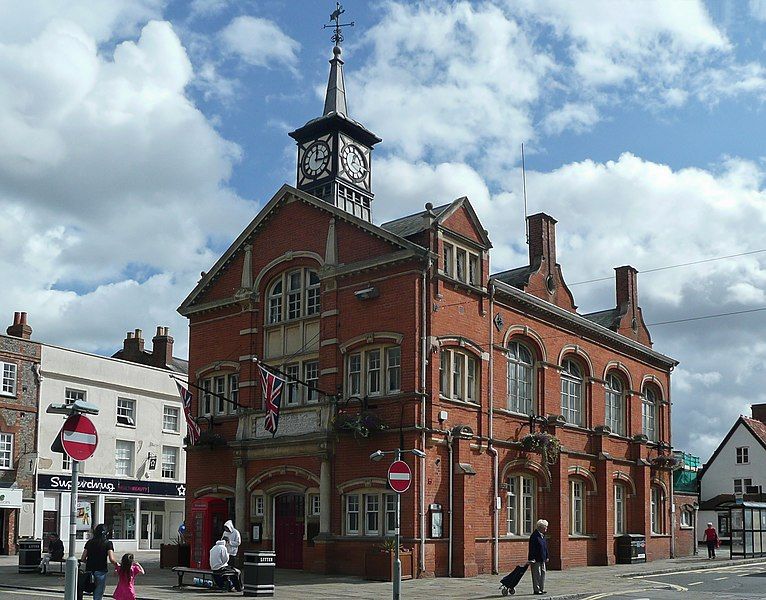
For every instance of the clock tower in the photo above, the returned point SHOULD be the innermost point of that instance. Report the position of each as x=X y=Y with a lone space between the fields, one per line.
x=335 y=152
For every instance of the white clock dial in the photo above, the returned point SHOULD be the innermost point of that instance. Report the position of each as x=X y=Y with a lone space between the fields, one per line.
x=315 y=159
x=354 y=162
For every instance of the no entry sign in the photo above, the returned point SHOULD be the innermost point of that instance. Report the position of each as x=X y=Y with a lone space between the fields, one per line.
x=399 y=476
x=79 y=437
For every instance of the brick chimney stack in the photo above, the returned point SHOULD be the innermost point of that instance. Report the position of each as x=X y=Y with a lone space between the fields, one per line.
x=20 y=328
x=759 y=412
x=542 y=240
x=626 y=287
x=133 y=346
x=162 y=348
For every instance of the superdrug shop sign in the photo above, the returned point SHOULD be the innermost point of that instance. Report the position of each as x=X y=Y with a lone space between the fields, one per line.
x=106 y=485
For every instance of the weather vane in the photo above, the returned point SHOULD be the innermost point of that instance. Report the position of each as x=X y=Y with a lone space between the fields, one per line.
x=337 y=37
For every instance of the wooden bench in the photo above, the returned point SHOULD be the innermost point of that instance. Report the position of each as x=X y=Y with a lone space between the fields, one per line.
x=206 y=574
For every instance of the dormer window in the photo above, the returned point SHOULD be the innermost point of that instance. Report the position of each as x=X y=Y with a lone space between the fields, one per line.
x=461 y=264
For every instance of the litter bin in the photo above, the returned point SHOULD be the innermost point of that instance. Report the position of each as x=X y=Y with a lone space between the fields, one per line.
x=258 y=573
x=29 y=555
x=631 y=548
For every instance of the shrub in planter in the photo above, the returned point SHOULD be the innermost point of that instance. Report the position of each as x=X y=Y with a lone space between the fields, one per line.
x=379 y=562
x=546 y=444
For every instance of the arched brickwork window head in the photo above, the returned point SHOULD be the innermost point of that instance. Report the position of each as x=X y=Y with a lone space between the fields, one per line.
x=649 y=411
x=293 y=295
x=572 y=405
x=620 y=507
x=615 y=403
x=578 y=506
x=520 y=378
x=521 y=503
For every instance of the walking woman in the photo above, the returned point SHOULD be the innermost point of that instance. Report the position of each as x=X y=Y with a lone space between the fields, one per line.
x=711 y=540
x=98 y=550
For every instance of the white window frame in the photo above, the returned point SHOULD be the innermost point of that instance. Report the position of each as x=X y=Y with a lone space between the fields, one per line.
x=375 y=513
x=389 y=513
x=173 y=465
x=294 y=294
x=292 y=392
x=743 y=455
x=258 y=505
x=521 y=504
x=372 y=514
x=315 y=505
x=311 y=377
x=226 y=384
x=614 y=416
x=740 y=485
x=572 y=392
x=457 y=375
x=577 y=507
x=366 y=377
x=9 y=372
x=66 y=462
x=657 y=510
x=72 y=395
x=520 y=379
x=620 y=497
x=687 y=517
x=352 y=500
x=461 y=263
x=130 y=446
x=6 y=451
x=649 y=414
x=170 y=414
x=126 y=410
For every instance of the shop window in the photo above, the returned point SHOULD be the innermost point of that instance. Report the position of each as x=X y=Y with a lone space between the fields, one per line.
x=169 y=462
x=365 y=511
x=615 y=405
x=8 y=387
x=123 y=458
x=374 y=371
x=459 y=376
x=120 y=518
x=571 y=393
x=519 y=379
x=657 y=510
x=520 y=517
x=649 y=413
x=743 y=455
x=576 y=507
x=302 y=297
x=86 y=516
x=126 y=412
x=6 y=450
x=72 y=396
x=619 y=509
x=170 y=419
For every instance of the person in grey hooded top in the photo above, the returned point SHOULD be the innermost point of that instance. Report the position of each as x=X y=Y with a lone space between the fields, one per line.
x=233 y=540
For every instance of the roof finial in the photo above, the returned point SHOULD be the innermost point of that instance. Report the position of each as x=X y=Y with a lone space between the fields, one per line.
x=337 y=37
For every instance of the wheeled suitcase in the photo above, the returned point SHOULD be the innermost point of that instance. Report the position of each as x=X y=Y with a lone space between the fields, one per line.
x=510 y=581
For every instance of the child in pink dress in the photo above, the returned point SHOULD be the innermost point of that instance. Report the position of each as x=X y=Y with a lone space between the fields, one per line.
x=126 y=573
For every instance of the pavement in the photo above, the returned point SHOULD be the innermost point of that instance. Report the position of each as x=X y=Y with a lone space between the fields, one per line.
x=572 y=584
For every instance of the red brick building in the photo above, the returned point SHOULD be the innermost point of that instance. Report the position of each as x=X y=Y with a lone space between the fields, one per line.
x=407 y=340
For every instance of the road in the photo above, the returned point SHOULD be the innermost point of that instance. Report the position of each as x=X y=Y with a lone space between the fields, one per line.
x=739 y=582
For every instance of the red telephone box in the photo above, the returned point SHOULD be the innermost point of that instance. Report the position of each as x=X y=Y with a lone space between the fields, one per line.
x=207 y=518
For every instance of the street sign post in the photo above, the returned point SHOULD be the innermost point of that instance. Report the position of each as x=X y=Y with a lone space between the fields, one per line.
x=399 y=476
x=79 y=437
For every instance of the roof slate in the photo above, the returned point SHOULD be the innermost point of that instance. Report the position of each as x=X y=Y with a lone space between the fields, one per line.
x=605 y=318
x=412 y=224
x=757 y=427
x=518 y=277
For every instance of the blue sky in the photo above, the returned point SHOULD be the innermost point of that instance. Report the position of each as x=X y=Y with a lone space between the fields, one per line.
x=139 y=137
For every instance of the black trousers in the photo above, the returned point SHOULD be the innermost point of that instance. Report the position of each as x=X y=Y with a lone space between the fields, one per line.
x=711 y=549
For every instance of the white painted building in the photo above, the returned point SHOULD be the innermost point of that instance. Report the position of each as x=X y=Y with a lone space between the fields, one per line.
x=135 y=481
x=736 y=470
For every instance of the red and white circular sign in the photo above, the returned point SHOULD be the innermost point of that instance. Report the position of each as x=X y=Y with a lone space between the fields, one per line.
x=399 y=476
x=79 y=437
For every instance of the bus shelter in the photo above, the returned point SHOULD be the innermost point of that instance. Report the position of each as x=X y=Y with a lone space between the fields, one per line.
x=748 y=529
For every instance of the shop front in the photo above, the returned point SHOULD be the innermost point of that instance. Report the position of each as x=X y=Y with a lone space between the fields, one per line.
x=138 y=514
x=10 y=504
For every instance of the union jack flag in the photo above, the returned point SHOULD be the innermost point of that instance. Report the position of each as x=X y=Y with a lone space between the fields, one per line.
x=272 y=398
x=192 y=429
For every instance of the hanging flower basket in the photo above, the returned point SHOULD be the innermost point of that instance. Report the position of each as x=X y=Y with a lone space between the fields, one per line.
x=546 y=444
x=360 y=424
x=211 y=440
x=665 y=461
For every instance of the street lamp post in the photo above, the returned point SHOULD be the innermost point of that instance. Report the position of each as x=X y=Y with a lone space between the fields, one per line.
x=79 y=407
x=376 y=456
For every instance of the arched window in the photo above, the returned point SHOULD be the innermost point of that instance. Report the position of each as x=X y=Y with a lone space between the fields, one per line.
x=615 y=404
x=275 y=302
x=649 y=413
x=294 y=295
x=657 y=510
x=519 y=379
x=571 y=393
x=521 y=504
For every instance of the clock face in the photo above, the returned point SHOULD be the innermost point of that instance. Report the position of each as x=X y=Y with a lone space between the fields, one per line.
x=353 y=162
x=315 y=159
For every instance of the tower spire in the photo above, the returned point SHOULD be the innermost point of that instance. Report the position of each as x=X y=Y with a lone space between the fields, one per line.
x=335 y=97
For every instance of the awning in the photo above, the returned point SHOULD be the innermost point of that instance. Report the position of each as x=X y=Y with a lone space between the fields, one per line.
x=11 y=497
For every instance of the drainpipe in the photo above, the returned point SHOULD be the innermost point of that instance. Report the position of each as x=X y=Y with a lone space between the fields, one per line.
x=451 y=469
x=490 y=447
x=672 y=518
x=423 y=362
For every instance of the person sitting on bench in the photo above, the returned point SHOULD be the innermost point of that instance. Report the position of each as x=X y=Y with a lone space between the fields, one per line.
x=55 y=552
x=225 y=576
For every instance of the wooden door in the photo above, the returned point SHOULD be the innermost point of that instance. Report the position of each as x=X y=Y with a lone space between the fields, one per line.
x=288 y=535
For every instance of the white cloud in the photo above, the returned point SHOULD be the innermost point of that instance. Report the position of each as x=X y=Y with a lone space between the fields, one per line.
x=260 y=42
x=577 y=117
